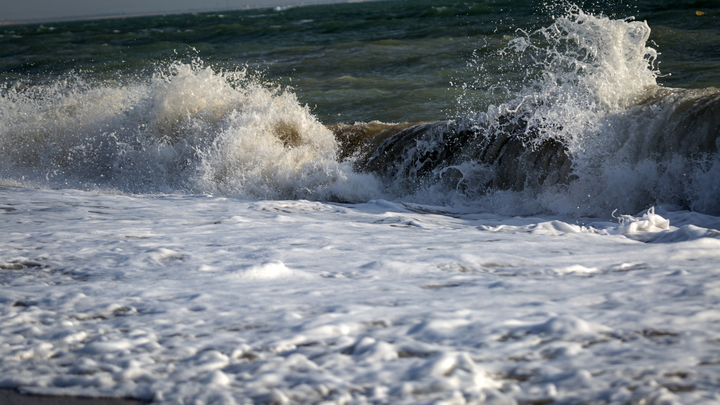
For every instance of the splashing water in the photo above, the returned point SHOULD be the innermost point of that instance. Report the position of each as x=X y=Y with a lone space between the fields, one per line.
x=189 y=129
x=633 y=144
x=591 y=132
x=593 y=101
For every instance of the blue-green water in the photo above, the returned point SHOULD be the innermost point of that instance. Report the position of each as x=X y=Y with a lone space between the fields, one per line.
x=388 y=61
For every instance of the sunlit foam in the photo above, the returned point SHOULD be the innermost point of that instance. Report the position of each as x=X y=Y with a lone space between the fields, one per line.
x=188 y=129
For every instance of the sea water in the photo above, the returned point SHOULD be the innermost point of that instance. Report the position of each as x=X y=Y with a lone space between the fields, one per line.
x=192 y=212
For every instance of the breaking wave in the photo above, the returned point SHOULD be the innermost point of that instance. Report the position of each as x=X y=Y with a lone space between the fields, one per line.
x=189 y=129
x=589 y=133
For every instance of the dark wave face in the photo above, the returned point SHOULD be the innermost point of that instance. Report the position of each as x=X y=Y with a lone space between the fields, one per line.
x=471 y=157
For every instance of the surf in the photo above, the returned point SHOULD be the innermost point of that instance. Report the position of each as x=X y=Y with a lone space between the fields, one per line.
x=587 y=133
x=593 y=133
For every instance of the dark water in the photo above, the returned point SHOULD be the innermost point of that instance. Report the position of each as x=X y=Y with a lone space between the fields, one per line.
x=389 y=61
x=621 y=96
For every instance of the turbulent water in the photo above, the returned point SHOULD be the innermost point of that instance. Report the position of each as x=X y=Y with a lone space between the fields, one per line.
x=199 y=103
x=378 y=202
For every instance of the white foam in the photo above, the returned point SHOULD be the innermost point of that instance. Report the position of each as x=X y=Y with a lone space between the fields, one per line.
x=222 y=302
x=267 y=271
x=632 y=143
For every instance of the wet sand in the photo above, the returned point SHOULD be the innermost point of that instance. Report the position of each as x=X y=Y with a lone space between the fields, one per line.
x=13 y=397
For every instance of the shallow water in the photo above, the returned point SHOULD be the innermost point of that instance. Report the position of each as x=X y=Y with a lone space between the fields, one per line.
x=220 y=208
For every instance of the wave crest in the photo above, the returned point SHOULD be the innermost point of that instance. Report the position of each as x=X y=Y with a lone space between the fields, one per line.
x=187 y=129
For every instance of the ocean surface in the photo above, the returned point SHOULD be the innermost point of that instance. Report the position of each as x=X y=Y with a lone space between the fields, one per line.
x=365 y=203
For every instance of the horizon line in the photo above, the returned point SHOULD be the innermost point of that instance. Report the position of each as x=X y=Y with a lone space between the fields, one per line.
x=159 y=13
